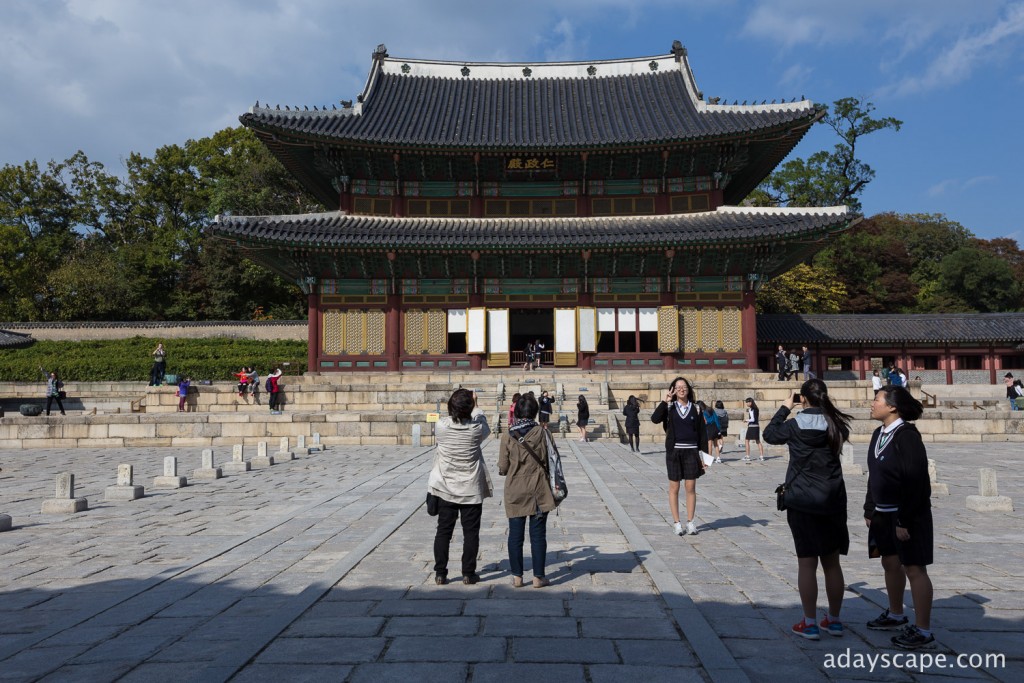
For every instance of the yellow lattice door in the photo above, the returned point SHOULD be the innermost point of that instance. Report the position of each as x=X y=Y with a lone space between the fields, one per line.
x=437 y=331
x=333 y=332
x=376 y=332
x=732 y=330
x=415 y=332
x=668 y=329
x=709 y=328
x=354 y=332
x=691 y=329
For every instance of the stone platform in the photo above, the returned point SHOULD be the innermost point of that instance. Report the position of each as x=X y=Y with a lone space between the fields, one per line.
x=320 y=569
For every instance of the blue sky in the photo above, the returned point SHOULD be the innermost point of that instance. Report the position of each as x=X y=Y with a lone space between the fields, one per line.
x=113 y=77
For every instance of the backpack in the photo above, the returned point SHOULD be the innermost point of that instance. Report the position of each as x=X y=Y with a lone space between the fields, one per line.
x=269 y=386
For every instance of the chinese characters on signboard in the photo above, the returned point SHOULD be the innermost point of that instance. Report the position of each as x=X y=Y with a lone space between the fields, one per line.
x=530 y=164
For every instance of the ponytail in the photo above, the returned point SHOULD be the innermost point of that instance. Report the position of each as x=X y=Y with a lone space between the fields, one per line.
x=816 y=393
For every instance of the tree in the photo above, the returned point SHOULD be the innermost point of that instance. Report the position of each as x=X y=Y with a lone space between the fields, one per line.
x=983 y=280
x=803 y=289
x=828 y=178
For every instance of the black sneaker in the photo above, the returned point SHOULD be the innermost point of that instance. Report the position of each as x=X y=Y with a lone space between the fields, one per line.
x=913 y=639
x=470 y=579
x=888 y=622
x=440 y=579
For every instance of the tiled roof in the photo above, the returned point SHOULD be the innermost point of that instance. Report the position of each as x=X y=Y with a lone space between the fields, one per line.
x=13 y=340
x=513 y=106
x=874 y=329
x=723 y=226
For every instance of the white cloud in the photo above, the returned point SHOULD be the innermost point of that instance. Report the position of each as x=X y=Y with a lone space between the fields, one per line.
x=795 y=77
x=956 y=64
x=942 y=188
x=953 y=186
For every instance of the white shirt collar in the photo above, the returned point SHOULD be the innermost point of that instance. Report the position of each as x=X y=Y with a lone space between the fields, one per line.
x=892 y=427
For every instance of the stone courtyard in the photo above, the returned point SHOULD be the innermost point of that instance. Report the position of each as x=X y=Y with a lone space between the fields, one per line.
x=319 y=569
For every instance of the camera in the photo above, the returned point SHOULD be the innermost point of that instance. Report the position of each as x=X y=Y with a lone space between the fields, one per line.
x=796 y=398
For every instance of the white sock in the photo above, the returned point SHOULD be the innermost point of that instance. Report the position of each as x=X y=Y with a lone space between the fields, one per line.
x=809 y=621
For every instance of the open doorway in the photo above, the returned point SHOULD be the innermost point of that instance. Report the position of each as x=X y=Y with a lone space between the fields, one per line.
x=528 y=325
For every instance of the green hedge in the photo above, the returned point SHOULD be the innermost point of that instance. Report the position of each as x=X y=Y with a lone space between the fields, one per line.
x=214 y=358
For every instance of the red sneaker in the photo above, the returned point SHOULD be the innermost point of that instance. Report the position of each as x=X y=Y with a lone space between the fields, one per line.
x=805 y=630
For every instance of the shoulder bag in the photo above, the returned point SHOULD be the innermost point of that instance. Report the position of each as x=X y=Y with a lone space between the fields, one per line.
x=780 y=492
x=556 y=479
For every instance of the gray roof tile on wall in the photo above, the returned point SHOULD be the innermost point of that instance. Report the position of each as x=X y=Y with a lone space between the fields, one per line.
x=867 y=329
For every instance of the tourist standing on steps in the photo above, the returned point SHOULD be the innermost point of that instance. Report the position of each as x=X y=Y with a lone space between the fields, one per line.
x=807 y=364
x=794 y=365
x=156 y=374
x=753 y=429
x=876 y=381
x=582 y=416
x=815 y=500
x=523 y=461
x=1013 y=390
x=685 y=436
x=898 y=513
x=538 y=354
x=274 y=391
x=544 y=404
x=183 y=385
x=512 y=409
x=460 y=481
x=53 y=390
x=632 y=412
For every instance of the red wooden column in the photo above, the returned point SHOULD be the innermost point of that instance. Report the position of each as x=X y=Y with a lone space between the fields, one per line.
x=990 y=359
x=393 y=331
x=313 y=352
x=748 y=319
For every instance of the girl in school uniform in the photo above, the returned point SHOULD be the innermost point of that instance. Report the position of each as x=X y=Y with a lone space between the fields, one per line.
x=753 y=430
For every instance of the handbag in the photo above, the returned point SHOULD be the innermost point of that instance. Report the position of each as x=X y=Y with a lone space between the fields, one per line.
x=553 y=471
x=780 y=493
x=433 y=505
x=62 y=395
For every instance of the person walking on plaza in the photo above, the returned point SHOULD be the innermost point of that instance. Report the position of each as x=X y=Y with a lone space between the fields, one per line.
x=815 y=500
x=54 y=387
x=753 y=432
x=714 y=430
x=897 y=511
x=723 y=422
x=582 y=416
x=460 y=481
x=523 y=461
x=632 y=412
x=156 y=374
x=274 y=391
x=685 y=437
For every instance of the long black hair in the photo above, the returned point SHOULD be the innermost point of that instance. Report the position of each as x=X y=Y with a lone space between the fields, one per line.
x=815 y=393
x=907 y=407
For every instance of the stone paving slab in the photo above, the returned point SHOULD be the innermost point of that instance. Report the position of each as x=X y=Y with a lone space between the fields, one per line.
x=320 y=569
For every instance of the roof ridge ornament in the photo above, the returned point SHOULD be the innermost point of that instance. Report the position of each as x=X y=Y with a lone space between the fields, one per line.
x=592 y=70
x=653 y=65
x=465 y=71
x=381 y=52
x=527 y=71
x=678 y=50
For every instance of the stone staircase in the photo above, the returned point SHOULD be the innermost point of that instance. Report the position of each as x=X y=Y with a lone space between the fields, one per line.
x=389 y=408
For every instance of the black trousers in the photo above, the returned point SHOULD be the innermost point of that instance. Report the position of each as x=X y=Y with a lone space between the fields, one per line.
x=446 y=516
x=49 y=402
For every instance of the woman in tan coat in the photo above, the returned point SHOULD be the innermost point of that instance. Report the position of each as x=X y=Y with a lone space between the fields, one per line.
x=460 y=481
x=527 y=489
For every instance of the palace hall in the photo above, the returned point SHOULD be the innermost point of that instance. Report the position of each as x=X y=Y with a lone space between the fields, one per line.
x=473 y=208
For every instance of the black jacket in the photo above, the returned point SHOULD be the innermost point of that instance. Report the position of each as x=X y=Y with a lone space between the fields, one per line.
x=814 y=479
x=664 y=418
x=582 y=412
x=902 y=475
x=632 y=414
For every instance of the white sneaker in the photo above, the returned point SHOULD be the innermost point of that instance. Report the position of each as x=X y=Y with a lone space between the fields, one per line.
x=761 y=459
x=718 y=461
x=746 y=458
x=679 y=529
x=691 y=528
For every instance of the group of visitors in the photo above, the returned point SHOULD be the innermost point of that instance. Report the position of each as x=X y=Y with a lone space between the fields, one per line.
x=460 y=482
x=897 y=507
x=248 y=381
x=533 y=355
x=789 y=365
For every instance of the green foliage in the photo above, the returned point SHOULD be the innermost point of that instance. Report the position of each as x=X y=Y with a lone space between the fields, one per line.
x=130 y=360
x=829 y=178
x=803 y=289
x=86 y=245
x=923 y=263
